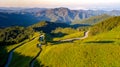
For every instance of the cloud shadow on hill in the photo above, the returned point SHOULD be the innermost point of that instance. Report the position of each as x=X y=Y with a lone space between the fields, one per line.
x=100 y=42
x=17 y=57
x=18 y=60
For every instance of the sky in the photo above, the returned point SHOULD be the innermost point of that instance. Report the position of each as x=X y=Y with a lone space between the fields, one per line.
x=71 y=4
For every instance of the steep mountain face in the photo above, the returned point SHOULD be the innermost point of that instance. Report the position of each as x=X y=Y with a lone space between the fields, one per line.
x=29 y=16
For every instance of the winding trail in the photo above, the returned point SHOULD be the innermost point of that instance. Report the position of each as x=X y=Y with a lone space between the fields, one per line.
x=33 y=60
x=66 y=40
x=72 y=39
x=10 y=54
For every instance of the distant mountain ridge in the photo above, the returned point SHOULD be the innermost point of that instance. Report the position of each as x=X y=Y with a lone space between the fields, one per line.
x=29 y=16
x=93 y=20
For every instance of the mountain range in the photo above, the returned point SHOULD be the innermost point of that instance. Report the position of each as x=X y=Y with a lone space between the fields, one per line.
x=29 y=16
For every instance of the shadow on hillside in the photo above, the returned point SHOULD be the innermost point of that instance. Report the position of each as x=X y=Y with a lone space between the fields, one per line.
x=59 y=34
x=51 y=26
x=18 y=60
x=59 y=42
x=50 y=37
x=36 y=64
x=23 y=61
x=100 y=42
x=3 y=56
x=80 y=25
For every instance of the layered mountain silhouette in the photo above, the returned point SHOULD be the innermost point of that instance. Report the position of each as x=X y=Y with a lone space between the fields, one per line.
x=29 y=16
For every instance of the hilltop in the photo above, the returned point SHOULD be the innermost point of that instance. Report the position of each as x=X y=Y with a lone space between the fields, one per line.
x=47 y=26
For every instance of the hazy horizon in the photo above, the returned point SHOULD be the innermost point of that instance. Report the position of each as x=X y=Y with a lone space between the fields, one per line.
x=71 y=4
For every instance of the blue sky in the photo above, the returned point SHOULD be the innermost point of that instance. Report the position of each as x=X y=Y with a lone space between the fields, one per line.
x=72 y=4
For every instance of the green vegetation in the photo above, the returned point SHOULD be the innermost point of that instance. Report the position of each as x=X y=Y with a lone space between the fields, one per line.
x=64 y=30
x=25 y=53
x=66 y=33
x=30 y=50
x=3 y=55
x=80 y=55
x=39 y=24
x=93 y=20
x=47 y=27
x=105 y=25
x=14 y=35
x=111 y=36
x=102 y=49
x=74 y=35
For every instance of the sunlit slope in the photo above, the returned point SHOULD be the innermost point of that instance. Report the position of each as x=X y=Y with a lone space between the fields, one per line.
x=105 y=32
x=80 y=55
x=102 y=49
x=70 y=36
x=66 y=33
x=25 y=53
x=112 y=36
x=105 y=25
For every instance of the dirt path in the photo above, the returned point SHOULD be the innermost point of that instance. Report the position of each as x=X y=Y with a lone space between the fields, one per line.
x=11 y=54
x=33 y=60
x=85 y=36
x=72 y=39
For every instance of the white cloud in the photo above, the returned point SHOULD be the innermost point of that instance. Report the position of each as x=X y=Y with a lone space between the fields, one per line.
x=74 y=4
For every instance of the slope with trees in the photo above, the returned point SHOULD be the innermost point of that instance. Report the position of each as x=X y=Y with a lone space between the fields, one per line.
x=105 y=25
x=13 y=35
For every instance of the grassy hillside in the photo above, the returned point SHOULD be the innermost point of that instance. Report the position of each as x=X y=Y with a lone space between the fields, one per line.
x=105 y=25
x=7 y=48
x=47 y=27
x=66 y=33
x=73 y=35
x=76 y=54
x=96 y=51
x=111 y=36
x=80 y=55
x=24 y=54
x=101 y=50
x=67 y=30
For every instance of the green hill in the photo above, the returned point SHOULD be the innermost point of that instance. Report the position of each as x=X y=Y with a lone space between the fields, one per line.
x=102 y=49
x=66 y=33
x=23 y=59
x=111 y=36
x=13 y=35
x=105 y=25
x=47 y=27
